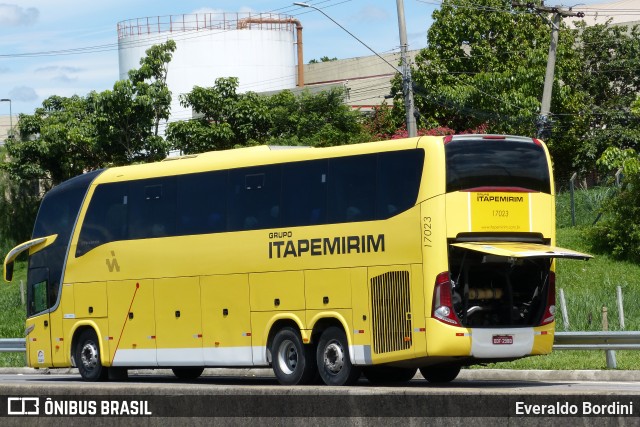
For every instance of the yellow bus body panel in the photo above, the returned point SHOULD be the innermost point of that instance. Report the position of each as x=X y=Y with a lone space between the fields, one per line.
x=132 y=323
x=213 y=299
x=327 y=289
x=226 y=321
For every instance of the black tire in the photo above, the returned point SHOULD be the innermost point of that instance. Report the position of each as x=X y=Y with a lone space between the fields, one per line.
x=118 y=374
x=334 y=362
x=440 y=374
x=188 y=373
x=87 y=357
x=293 y=362
x=388 y=374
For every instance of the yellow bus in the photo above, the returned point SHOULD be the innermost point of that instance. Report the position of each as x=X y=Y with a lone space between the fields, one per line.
x=429 y=253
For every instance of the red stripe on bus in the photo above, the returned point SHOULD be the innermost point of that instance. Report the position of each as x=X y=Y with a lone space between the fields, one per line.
x=126 y=317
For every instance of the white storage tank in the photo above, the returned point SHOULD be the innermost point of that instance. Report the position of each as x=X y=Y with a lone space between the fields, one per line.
x=259 y=49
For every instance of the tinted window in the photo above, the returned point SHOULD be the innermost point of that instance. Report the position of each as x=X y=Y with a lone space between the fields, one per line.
x=398 y=181
x=152 y=208
x=202 y=203
x=496 y=163
x=344 y=189
x=254 y=199
x=352 y=188
x=304 y=193
x=106 y=218
x=57 y=215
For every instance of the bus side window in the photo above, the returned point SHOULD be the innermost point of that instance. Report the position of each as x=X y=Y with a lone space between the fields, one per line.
x=152 y=208
x=352 y=185
x=106 y=217
x=254 y=201
x=202 y=203
x=304 y=193
x=398 y=181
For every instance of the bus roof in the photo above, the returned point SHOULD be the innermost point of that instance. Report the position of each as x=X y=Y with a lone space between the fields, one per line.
x=250 y=156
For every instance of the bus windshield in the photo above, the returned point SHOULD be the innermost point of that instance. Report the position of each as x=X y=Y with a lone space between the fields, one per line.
x=511 y=162
x=57 y=215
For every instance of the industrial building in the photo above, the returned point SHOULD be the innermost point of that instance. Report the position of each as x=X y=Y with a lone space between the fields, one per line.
x=256 y=48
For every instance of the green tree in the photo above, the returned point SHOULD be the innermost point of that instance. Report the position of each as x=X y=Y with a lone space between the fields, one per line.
x=619 y=233
x=127 y=118
x=323 y=59
x=56 y=143
x=68 y=136
x=610 y=57
x=227 y=119
x=485 y=64
x=230 y=119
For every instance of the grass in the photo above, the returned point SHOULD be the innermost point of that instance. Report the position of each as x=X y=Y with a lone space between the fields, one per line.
x=588 y=286
x=12 y=315
x=587 y=203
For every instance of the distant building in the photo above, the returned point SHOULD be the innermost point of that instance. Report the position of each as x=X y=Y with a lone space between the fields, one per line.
x=5 y=125
x=259 y=49
x=366 y=79
x=624 y=12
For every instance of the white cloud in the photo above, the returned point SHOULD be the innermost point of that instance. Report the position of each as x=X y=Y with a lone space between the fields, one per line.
x=23 y=93
x=58 y=68
x=208 y=10
x=14 y=15
x=65 y=78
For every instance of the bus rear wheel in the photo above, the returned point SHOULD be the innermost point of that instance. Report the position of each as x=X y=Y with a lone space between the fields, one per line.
x=334 y=362
x=440 y=374
x=388 y=374
x=293 y=362
x=87 y=357
x=187 y=373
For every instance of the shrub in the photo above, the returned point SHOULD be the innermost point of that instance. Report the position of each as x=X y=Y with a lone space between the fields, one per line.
x=619 y=234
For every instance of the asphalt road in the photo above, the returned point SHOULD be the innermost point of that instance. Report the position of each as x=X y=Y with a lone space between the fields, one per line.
x=243 y=397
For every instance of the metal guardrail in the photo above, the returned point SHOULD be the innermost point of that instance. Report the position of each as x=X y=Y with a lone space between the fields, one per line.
x=13 y=345
x=596 y=340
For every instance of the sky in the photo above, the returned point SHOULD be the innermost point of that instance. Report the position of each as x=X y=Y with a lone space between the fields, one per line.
x=69 y=47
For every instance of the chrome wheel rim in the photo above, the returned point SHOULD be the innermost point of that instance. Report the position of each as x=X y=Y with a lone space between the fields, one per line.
x=89 y=355
x=333 y=357
x=287 y=357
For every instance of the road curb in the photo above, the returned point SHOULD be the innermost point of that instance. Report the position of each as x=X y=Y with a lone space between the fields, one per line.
x=465 y=374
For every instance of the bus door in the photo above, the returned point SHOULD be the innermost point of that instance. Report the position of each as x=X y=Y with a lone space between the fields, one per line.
x=38 y=326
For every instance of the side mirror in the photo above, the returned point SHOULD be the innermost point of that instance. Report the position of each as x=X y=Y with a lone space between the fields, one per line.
x=32 y=246
x=8 y=272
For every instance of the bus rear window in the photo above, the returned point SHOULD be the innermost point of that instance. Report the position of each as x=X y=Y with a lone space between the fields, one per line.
x=474 y=163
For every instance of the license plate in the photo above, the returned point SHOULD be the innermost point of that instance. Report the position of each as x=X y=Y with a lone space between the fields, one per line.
x=502 y=339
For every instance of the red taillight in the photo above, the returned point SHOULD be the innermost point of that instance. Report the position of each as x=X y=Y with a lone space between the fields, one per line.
x=447 y=139
x=550 y=309
x=442 y=308
x=494 y=137
x=537 y=142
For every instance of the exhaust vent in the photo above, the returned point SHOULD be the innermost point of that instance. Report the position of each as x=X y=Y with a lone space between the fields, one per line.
x=391 y=312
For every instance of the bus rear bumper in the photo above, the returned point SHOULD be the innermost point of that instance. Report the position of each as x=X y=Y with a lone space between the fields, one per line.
x=488 y=343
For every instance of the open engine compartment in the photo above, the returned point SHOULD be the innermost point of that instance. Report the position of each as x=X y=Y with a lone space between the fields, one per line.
x=490 y=290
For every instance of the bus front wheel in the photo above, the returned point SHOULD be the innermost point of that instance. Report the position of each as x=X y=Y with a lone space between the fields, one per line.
x=87 y=357
x=334 y=362
x=440 y=374
x=293 y=362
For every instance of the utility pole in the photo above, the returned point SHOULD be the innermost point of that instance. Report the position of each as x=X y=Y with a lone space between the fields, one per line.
x=407 y=85
x=558 y=12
